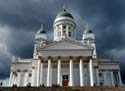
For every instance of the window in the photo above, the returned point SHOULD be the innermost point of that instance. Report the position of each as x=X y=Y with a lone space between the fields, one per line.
x=64 y=27
x=69 y=27
x=30 y=75
x=101 y=83
x=65 y=77
x=69 y=33
x=64 y=32
x=100 y=74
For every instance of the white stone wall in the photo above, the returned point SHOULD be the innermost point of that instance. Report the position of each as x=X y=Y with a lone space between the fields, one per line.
x=45 y=76
x=34 y=72
x=110 y=73
x=65 y=53
x=86 y=75
x=18 y=71
x=76 y=77
x=109 y=66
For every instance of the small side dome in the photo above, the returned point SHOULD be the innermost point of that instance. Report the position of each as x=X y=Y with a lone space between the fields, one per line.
x=88 y=31
x=41 y=30
x=64 y=13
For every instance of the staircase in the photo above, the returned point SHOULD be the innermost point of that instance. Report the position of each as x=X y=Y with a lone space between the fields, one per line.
x=62 y=88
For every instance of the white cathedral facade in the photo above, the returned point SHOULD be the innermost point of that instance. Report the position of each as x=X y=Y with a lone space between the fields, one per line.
x=66 y=61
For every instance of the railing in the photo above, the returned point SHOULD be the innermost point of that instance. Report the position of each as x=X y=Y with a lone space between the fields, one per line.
x=62 y=88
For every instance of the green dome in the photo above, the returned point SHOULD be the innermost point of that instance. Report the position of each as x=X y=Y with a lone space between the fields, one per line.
x=41 y=30
x=64 y=14
x=88 y=31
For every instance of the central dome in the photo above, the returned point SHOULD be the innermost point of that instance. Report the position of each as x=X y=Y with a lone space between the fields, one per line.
x=64 y=13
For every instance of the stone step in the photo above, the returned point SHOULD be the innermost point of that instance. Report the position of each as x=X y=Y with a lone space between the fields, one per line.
x=62 y=88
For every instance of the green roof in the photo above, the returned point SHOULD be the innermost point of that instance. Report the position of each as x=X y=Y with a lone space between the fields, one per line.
x=88 y=30
x=64 y=13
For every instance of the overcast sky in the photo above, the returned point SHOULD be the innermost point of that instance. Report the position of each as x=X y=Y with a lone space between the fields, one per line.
x=20 y=20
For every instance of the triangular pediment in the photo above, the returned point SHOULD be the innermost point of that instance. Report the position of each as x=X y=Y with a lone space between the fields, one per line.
x=66 y=45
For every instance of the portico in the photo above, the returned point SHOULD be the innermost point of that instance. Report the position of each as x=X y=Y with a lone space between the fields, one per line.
x=64 y=78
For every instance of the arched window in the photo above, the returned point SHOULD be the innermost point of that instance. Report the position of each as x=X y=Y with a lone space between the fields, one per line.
x=69 y=34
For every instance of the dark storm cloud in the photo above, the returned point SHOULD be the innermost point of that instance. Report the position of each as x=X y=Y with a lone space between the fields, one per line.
x=27 y=13
x=104 y=16
x=21 y=40
x=4 y=66
x=11 y=43
x=20 y=19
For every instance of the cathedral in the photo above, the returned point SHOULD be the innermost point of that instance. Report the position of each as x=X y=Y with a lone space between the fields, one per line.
x=65 y=61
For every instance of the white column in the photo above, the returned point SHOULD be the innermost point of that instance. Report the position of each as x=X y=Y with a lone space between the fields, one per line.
x=26 y=78
x=112 y=79
x=41 y=75
x=49 y=73
x=61 y=26
x=35 y=52
x=71 y=72
x=33 y=76
x=14 y=78
x=11 y=79
x=18 y=78
x=81 y=72
x=61 y=81
x=97 y=76
x=59 y=72
x=67 y=36
x=91 y=72
x=119 y=76
x=38 y=72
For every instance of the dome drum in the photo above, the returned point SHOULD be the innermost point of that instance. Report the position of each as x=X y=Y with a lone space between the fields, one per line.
x=65 y=23
x=64 y=26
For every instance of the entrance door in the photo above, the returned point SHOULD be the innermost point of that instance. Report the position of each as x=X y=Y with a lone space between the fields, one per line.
x=65 y=80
